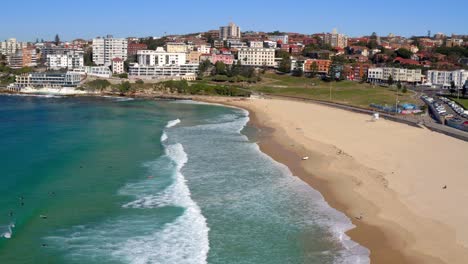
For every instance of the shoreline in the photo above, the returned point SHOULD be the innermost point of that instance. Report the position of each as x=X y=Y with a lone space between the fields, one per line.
x=341 y=179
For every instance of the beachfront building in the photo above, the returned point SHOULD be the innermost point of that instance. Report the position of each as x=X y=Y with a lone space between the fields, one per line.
x=444 y=79
x=118 y=66
x=95 y=71
x=257 y=57
x=160 y=57
x=48 y=80
x=232 y=31
x=108 y=48
x=335 y=39
x=71 y=59
x=25 y=57
x=160 y=63
x=11 y=46
x=382 y=75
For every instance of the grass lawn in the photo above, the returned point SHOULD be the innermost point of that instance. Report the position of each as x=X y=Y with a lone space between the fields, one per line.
x=463 y=102
x=346 y=92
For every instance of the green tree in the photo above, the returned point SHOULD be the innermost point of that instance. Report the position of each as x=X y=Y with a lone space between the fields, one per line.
x=404 y=89
x=390 y=80
x=285 y=65
x=313 y=69
x=404 y=53
x=220 y=68
x=398 y=85
x=57 y=40
x=124 y=87
x=452 y=87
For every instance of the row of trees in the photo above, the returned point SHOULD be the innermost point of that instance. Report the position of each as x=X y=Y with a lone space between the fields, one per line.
x=233 y=73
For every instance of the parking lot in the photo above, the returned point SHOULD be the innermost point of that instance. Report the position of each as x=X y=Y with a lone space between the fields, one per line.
x=447 y=111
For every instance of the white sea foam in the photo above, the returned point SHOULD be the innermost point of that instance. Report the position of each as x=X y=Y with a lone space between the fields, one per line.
x=182 y=241
x=172 y=123
x=140 y=239
x=7 y=231
x=164 y=137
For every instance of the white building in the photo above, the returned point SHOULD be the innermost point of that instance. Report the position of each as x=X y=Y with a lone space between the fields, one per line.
x=283 y=38
x=139 y=71
x=257 y=57
x=96 y=71
x=118 y=66
x=381 y=75
x=71 y=60
x=444 y=79
x=108 y=48
x=11 y=46
x=204 y=49
x=48 y=80
x=160 y=63
x=256 y=44
x=232 y=31
x=160 y=57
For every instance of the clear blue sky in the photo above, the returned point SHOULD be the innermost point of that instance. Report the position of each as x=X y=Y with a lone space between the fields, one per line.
x=31 y=19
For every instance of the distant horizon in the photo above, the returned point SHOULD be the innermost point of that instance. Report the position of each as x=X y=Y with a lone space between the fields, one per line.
x=91 y=19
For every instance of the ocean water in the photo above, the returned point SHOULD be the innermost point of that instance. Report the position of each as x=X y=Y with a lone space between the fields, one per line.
x=106 y=180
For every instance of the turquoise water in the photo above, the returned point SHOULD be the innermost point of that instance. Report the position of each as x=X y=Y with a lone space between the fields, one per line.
x=152 y=182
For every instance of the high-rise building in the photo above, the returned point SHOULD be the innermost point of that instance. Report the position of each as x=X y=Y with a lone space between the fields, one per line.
x=232 y=31
x=335 y=39
x=25 y=57
x=11 y=46
x=108 y=48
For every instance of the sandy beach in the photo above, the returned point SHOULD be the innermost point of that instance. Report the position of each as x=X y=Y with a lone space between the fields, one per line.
x=402 y=186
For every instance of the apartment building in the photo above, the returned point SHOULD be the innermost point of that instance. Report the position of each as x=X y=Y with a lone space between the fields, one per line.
x=317 y=66
x=133 y=48
x=176 y=47
x=232 y=31
x=25 y=57
x=257 y=57
x=227 y=59
x=160 y=57
x=381 y=75
x=108 y=48
x=71 y=60
x=160 y=63
x=118 y=66
x=11 y=46
x=256 y=44
x=335 y=39
x=49 y=80
x=444 y=79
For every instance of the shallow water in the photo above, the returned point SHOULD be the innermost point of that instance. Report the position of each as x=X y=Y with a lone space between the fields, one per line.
x=153 y=182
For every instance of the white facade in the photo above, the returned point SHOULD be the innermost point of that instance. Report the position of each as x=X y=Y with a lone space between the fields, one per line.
x=10 y=46
x=232 y=31
x=96 y=71
x=106 y=49
x=257 y=57
x=48 y=80
x=204 y=49
x=398 y=74
x=70 y=60
x=256 y=44
x=283 y=38
x=160 y=57
x=137 y=70
x=118 y=66
x=445 y=78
